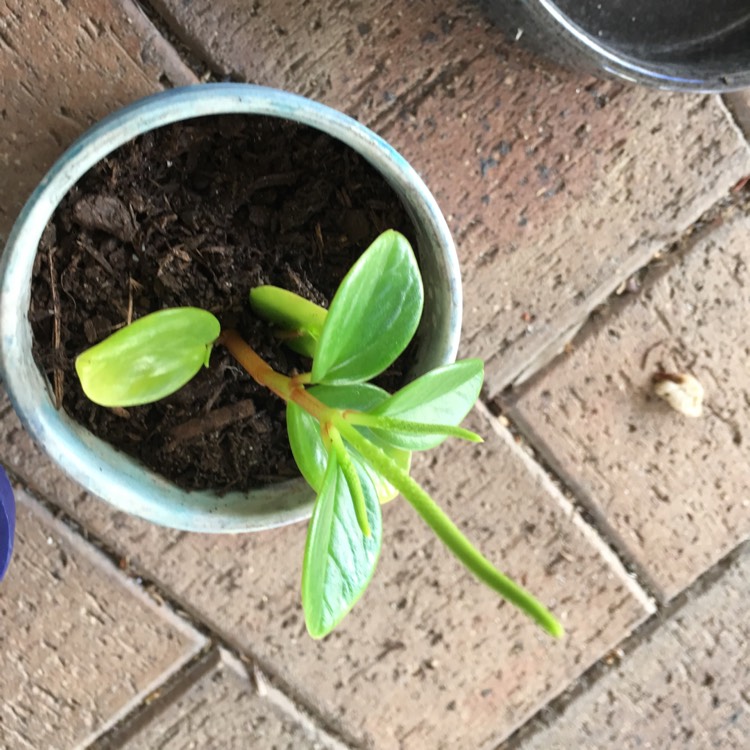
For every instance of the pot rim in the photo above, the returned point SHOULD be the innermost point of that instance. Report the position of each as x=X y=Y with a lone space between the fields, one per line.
x=119 y=479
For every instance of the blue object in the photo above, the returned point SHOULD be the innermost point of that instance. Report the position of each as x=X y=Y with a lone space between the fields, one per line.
x=7 y=522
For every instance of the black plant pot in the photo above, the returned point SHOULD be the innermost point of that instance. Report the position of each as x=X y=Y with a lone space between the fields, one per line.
x=689 y=45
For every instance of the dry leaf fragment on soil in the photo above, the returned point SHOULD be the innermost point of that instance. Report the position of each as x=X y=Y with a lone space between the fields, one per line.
x=681 y=391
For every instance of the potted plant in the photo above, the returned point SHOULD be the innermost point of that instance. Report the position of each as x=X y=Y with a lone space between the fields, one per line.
x=351 y=440
x=114 y=476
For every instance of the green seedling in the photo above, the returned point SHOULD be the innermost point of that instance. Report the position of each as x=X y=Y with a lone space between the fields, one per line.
x=351 y=439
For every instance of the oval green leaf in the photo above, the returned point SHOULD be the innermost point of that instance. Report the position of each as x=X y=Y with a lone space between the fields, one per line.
x=291 y=313
x=149 y=359
x=373 y=315
x=307 y=445
x=306 y=441
x=339 y=559
x=443 y=396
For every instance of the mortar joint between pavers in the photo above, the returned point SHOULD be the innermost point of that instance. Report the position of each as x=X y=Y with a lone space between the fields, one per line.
x=159 y=700
x=525 y=439
x=551 y=711
x=671 y=249
x=327 y=727
x=204 y=69
x=736 y=107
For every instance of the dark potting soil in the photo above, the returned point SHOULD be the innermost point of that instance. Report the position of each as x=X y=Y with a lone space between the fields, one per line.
x=198 y=214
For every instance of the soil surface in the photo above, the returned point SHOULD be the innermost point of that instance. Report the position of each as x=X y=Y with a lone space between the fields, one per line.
x=198 y=214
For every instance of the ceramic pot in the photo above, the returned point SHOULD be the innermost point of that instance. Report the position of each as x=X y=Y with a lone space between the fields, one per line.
x=690 y=45
x=117 y=478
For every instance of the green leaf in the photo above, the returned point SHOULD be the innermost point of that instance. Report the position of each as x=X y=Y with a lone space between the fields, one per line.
x=373 y=315
x=349 y=471
x=339 y=559
x=149 y=359
x=398 y=433
x=291 y=313
x=307 y=443
x=443 y=396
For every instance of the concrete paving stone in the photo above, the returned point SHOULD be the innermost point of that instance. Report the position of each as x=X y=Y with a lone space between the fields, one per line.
x=686 y=686
x=556 y=187
x=222 y=711
x=64 y=65
x=738 y=104
x=81 y=644
x=428 y=658
x=673 y=491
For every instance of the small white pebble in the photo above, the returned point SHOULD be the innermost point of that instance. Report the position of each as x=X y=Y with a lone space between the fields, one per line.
x=681 y=391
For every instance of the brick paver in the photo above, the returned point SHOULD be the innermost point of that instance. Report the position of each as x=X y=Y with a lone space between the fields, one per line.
x=223 y=711
x=63 y=66
x=81 y=645
x=367 y=59
x=672 y=490
x=631 y=176
x=428 y=658
x=687 y=686
x=556 y=187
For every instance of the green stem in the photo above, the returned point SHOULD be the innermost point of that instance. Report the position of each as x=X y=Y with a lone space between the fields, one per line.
x=352 y=480
x=448 y=532
x=408 y=427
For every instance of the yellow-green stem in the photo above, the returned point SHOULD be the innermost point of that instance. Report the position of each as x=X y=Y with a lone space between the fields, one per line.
x=289 y=390
x=384 y=422
x=352 y=480
x=448 y=532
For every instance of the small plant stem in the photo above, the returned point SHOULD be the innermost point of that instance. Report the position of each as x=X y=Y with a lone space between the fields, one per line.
x=448 y=532
x=352 y=480
x=284 y=387
x=410 y=428
x=289 y=390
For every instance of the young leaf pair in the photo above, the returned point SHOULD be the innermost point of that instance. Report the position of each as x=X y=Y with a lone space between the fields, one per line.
x=351 y=440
